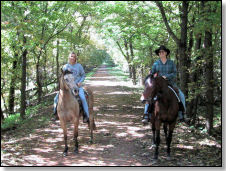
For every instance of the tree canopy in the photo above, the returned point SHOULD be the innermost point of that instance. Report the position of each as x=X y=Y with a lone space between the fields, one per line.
x=37 y=36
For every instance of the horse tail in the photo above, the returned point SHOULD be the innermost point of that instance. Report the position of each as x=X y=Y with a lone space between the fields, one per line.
x=92 y=125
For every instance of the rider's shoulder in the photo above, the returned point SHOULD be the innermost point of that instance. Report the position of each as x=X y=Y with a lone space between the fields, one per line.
x=156 y=62
x=79 y=65
x=170 y=61
x=65 y=66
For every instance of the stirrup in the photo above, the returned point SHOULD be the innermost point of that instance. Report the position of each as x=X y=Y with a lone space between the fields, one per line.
x=85 y=119
x=145 y=118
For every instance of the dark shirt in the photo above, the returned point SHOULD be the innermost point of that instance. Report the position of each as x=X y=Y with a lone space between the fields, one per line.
x=168 y=70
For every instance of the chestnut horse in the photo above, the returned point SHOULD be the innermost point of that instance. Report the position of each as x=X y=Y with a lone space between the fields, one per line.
x=164 y=106
x=68 y=108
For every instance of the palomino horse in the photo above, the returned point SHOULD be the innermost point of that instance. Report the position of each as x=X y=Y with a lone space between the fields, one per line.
x=164 y=107
x=68 y=108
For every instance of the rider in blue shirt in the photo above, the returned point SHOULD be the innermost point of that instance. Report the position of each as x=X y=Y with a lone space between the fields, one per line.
x=79 y=75
x=167 y=69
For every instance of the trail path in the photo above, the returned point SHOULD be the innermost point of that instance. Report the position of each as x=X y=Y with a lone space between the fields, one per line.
x=120 y=139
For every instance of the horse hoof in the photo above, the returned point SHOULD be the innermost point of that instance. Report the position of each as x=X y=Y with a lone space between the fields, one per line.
x=155 y=161
x=168 y=158
x=65 y=154
x=75 y=151
x=152 y=146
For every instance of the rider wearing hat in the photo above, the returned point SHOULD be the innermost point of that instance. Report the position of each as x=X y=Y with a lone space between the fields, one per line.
x=167 y=69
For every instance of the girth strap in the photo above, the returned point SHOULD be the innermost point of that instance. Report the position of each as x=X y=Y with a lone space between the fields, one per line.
x=174 y=93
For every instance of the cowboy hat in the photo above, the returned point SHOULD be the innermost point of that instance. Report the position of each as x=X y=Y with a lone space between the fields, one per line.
x=162 y=47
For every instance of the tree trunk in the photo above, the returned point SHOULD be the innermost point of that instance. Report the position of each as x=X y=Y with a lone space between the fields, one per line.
x=12 y=88
x=130 y=71
x=57 y=63
x=209 y=82
x=128 y=58
x=38 y=81
x=134 y=78
x=181 y=43
x=133 y=65
x=183 y=62
x=2 y=116
x=23 y=82
x=191 y=109
x=208 y=71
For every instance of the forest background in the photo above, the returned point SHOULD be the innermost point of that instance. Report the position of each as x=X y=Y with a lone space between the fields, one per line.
x=37 y=36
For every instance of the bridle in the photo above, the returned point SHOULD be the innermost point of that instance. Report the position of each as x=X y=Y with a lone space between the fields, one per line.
x=73 y=91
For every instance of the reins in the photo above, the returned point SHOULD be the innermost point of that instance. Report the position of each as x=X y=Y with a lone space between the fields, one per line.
x=154 y=98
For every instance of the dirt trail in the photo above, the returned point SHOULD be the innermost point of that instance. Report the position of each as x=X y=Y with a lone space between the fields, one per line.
x=120 y=139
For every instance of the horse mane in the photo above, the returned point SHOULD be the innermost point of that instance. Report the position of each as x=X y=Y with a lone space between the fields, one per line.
x=67 y=72
x=148 y=76
x=63 y=73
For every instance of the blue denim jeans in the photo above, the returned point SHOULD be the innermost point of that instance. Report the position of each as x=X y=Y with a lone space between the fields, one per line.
x=182 y=98
x=82 y=97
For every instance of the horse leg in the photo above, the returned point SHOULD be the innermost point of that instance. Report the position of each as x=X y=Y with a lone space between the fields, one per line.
x=91 y=131
x=76 y=123
x=154 y=136
x=169 y=139
x=63 y=125
x=91 y=124
x=157 y=144
x=165 y=131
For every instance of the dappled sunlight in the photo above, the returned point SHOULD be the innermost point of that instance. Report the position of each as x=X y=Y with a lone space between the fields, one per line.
x=209 y=143
x=119 y=140
x=119 y=92
x=189 y=147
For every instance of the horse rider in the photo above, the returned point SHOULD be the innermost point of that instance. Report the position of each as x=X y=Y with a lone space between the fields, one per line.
x=167 y=69
x=79 y=75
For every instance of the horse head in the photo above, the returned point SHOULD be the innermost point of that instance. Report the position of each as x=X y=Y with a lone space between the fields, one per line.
x=150 y=88
x=68 y=82
x=153 y=84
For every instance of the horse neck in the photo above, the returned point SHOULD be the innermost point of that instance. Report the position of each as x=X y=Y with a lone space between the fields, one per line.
x=61 y=83
x=63 y=89
x=163 y=86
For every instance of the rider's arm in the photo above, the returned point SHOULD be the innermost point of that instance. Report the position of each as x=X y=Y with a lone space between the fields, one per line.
x=82 y=73
x=172 y=71
x=154 y=68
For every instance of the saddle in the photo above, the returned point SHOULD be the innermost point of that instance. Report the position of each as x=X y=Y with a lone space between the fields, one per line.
x=80 y=103
x=175 y=91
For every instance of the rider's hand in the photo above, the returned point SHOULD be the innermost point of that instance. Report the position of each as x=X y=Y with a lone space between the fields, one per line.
x=79 y=84
x=164 y=77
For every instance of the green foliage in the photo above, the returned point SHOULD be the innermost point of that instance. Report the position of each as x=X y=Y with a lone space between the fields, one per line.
x=116 y=71
x=136 y=23
x=11 y=121
x=14 y=120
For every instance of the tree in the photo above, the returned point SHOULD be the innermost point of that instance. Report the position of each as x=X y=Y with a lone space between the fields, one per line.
x=180 y=41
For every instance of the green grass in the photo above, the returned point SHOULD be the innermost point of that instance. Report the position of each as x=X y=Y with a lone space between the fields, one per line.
x=90 y=74
x=14 y=119
x=116 y=71
x=11 y=121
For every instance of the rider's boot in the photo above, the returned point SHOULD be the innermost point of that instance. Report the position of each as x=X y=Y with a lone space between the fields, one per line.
x=145 y=120
x=55 y=115
x=85 y=118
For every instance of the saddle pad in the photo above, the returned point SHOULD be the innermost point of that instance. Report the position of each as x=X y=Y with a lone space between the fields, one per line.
x=174 y=93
